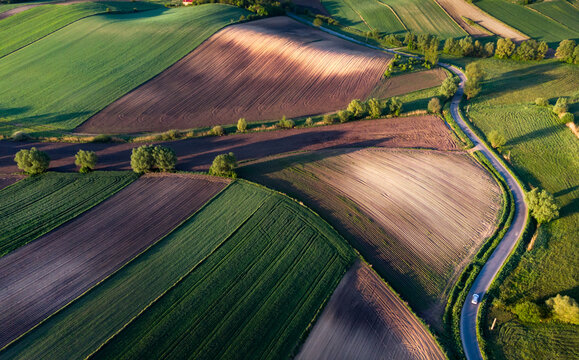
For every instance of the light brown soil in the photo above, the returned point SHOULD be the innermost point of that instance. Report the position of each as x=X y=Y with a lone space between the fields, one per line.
x=459 y=8
x=416 y=215
x=198 y=153
x=45 y=275
x=407 y=83
x=315 y=5
x=364 y=319
x=6 y=180
x=259 y=70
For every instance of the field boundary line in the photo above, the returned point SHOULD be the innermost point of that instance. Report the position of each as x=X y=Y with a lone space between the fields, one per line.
x=527 y=37
x=451 y=18
x=112 y=274
x=550 y=18
x=395 y=14
x=360 y=15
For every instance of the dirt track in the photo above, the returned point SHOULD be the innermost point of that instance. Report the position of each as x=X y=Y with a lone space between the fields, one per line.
x=364 y=319
x=406 y=83
x=259 y=70
x=459 y=8
x=41 y=277
x=197 y=154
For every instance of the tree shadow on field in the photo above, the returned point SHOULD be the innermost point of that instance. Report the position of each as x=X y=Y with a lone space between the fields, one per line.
x=570 y=209
x=539 y=133
x=518 y=79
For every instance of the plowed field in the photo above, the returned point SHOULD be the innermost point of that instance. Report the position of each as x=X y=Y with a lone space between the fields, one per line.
x=48 y=273
x=364 y=319
x=416 y=215
x=407 y=83
x=260 y=70
x=6 y=180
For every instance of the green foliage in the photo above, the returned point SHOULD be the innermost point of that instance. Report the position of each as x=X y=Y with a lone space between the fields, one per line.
x=542 y=205
x=20 y=136
x=217 y=131
x=567 y=118
x=318 y=22
x=449 y=87
x=357 y=108
x=285 y=123
x=434 y=106
x=165 y=158
x=36 y=205
x=241 y=125
x=561 y=106
x=142 y=160
x=564 y=308
x=489 y=49
x=505 y=48
x=309 y=121
x=565 y=51
x=475 y=75
x=395 y=106
x=344 y=116
x=224 y=165
x=329 y=119
x=496 y=139
x=375 y=108
x=540 y=101
x=86 y=160
x=527 y=311
x=32 y=161
x=102 y=139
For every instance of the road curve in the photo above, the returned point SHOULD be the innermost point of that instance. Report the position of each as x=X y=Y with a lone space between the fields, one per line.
x=468 y=318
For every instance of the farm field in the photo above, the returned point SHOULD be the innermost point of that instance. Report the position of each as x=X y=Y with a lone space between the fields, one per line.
x=316 y=5
x=38 y=204
x=293 y=70
x=26 y=27
x=407 y=83
x=560 y=11
x=7 y=180
x=82 y=252
x=345 y=14
x=365 y=319
x=527 y=21
x=35 y=80
x=459 y=8
x=417 y=225
x=251 y=277
x=543 y=152
x=198 y=153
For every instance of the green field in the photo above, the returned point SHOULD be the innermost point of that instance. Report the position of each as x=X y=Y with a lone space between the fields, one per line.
x=38 y=204
x=418 y=16
x=236 y=281
x=528 y=21
x=543 y=153
x=60 y=81
x=560 y=11
x=26 y=27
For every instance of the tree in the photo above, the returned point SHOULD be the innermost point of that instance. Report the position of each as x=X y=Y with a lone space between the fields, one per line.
x=224 y=165
x=526 y=50
x=241 y=125
x=86 y=160
x=448 y=87
x=318 y=22
x=561 y=106
x=478 y=49
x=565 y=51
x=328 y=119
x=567 y=118
x=541 y=101
x=489 y=49
x=357 y=108
x=165 y=158
x=431 y=53
x=375 y=108
x=576 y=55
x=218 y=130
x=395 y=106
x=410 y=41
x=528 y=312
x=505 y=48
x=309 y=121
x=542 y=205
x=542 y=50
x=474 y=76
x=142 y=160
x=449 y=45
x=466 y=46
x=285 y=123
x=434 y=105
x=344 y=116
x=32 y=161
x=564 y=308
x=496 y=139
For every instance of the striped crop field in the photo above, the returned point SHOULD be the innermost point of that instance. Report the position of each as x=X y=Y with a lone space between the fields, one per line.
x=237 y=281
x=38 y=204
x=560 y=11
x=417 y=225
x=61 y=80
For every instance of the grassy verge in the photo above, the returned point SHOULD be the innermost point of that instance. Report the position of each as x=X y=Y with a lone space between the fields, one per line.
x=456 y=130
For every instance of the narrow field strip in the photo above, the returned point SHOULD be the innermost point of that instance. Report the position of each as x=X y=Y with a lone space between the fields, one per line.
x=45 y=275
x=7 y=180
x=560 y=11
x=34 y=206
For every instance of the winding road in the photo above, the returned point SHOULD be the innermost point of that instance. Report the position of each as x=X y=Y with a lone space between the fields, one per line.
x=468 y=318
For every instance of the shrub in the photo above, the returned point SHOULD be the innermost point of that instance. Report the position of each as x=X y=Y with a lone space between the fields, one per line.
x=309 y=121
x=86 y=160
x=496 y=139
x=357 y=108
x=284 y=123
x=489 y=49
x=541 y=102
x=474 y=76
x=241 y=125
x=318 y=22
x=218 y=131
x=32 y=161
x=20 y=136
x=434 y=106
x=449 y=87
x=164 y=158
x=224 y=165
x=542 y=50
x=170 y=135
x=528 y=312
x=375 y=108
x=102 y=139
x=344 y=116
x=395 y=106
x=142 y=160
x=564 y=308
x=329 y=119
x=562 y=106
x=505 y=48
x=565 y=51
x=542 y=205
x=567 y=118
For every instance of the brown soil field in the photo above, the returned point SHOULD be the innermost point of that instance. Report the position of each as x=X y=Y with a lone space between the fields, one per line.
x=259 y=70
x=198 y=153
x=6 y=180
x=364 y=319
x=417 y=216
x=315 y=5
x=41 y=277
x=407 y=83
x=458 y=8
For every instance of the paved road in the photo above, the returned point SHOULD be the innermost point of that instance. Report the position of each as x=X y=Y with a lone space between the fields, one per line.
x=481 y=284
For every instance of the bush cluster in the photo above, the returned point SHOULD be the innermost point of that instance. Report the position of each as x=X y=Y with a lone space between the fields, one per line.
x=86 y=160
x=374 y=108
x=449 y=87
x=32 y=161
x=542 y=205
x=568 y=52
x=285 y=123
x=147 y=158
x=224 y=165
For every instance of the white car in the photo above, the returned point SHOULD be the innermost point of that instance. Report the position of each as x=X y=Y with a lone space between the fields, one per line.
x=475 y=298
